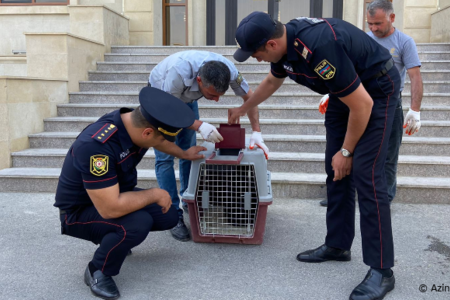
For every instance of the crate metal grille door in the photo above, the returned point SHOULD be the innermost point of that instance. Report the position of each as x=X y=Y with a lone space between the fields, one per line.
x=227 y=199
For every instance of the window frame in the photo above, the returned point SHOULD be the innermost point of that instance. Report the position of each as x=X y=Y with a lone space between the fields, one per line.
x=34 y=3
x=164 y=5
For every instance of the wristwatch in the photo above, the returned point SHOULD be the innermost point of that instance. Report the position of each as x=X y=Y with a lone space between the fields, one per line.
x=346 y=153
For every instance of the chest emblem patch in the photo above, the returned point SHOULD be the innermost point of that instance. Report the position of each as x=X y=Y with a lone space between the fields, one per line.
x=325 y=70
x=99 y=164
x=239 y=79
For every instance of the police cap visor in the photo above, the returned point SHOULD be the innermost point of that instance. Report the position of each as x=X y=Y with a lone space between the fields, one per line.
x=168 y=114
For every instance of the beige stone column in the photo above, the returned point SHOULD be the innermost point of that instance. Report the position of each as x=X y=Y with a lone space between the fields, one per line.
x=62 y=56
x=417 y=19
x=140 y=14
x=440 y=27
x=197 y=22
x=99 y=23
x=24 y=103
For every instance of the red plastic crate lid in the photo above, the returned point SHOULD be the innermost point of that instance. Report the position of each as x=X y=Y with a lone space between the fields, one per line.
x=233 y=136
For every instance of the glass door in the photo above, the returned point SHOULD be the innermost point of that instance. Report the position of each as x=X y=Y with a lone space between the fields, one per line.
x=175 y=23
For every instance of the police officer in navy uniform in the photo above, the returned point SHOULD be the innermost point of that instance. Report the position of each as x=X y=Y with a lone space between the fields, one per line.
x=333 y=56
x=97 y=195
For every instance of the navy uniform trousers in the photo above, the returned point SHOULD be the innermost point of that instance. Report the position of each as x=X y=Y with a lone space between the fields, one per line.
x=116 y=236
x=367 y=177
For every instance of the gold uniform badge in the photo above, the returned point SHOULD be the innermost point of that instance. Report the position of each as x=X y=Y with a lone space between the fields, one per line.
x=325 y=70
x=99 y=164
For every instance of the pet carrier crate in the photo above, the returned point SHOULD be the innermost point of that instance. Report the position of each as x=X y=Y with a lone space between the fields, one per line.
x=229 y=191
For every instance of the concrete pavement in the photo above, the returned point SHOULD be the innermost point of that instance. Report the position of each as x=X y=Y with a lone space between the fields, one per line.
x=36 y=262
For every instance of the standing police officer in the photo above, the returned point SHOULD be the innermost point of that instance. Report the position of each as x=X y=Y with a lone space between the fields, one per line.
x=96 y=192
x=332 y=56
x=189 y=76
x=380 y=16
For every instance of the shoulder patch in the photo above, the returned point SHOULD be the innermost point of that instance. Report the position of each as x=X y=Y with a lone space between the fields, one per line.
x=105 y=133
x=310 y=20
x=99 y=164
x=239 y=78
x=325 y=70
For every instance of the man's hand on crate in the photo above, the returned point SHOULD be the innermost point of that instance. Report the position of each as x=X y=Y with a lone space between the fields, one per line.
x=193 y=153
x=257 y=140
x=209 y=133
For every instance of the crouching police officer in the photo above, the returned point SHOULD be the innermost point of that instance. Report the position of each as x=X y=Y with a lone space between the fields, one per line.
x=333 y=56
x=96 y=192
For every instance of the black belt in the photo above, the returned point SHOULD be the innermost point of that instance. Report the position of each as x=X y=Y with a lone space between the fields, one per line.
x=389 y=64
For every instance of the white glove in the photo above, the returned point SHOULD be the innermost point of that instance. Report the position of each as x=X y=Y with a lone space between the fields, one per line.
x=258 y=140
x=412 y=122
x=323 y=104
x=209 y=133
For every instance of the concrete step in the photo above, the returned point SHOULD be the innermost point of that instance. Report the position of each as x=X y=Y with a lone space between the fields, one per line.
x=147 y=67
x=429 y=99
x=434 y=55
x=143 y=76
x=423 y=166
x=206 y=110
x=135 y=86
x=284 y=185
x=429 y=65
x=268 y=126
x=167 y=50
x=266 y=111
x=276 y=143
x=231 y=49
x=157 y=57
x=435 y=65
x=427 y=75
x=288 y=86
x=431 y=86
x=433 y=47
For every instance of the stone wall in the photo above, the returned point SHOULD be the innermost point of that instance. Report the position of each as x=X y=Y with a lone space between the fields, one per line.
x=140 y=14
x=62 y=55
x=15 y=20
x=417 y=19
x=99 y=23
x=440 y=27
x=24 y=104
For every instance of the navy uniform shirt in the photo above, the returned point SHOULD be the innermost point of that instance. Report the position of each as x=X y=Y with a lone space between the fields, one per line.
x=102 y=156
x=329 y=56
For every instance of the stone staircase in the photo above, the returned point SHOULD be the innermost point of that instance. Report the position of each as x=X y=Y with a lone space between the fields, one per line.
x=292 y=127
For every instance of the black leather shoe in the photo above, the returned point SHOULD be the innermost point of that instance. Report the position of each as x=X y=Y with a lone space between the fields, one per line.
x=324 y=253
x=101 y=285
x=324 y=202
x=180 y=232
x=373 y=287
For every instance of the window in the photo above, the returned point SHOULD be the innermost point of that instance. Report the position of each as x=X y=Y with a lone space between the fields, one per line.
x=34 y=2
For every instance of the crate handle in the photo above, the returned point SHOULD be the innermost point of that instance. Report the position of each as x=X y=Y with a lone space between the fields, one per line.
x=211 y=161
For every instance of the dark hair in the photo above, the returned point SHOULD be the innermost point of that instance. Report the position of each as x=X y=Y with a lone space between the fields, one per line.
x=215 y=73
x=279 y=31
x=384 y=5
x=140 y=121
